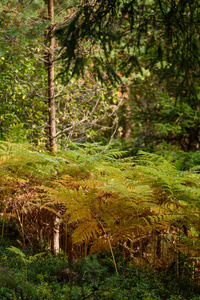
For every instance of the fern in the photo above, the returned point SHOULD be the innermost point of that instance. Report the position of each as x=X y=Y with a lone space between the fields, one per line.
x=20 y=159
x=88 y=229
x=127 y=201
x=104 y=201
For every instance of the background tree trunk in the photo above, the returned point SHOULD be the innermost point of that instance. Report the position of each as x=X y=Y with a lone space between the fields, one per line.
x=52 y=111
x=51 y=84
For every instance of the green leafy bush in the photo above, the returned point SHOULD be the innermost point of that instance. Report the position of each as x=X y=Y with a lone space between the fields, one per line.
x=50 y=277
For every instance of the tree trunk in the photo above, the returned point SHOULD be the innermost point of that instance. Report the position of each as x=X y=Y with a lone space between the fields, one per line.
x=52 y=111
x=56 y=235
x=51 y=84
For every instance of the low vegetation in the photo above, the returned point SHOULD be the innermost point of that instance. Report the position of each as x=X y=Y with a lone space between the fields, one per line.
x=48 y=277
x=117 y=218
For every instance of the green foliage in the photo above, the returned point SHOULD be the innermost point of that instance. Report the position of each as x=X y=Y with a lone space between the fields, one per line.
x=153 y=49
x=180 y=159
x=80 y=105
x=23 y=257
x=156 y=116
x=21 y=159
x=17 y=133
x=52 y=278
x=20 y=94
x=159 y=29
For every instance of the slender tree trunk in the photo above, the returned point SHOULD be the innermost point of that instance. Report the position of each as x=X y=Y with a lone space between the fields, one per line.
x=52 y=111
x=51 y=84
x=56 y=235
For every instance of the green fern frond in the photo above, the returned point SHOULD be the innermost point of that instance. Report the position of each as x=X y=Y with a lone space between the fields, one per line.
x=19 y=158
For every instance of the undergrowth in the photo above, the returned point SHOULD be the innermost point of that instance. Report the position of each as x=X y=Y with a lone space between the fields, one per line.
x=48 y=277
x=143 y=207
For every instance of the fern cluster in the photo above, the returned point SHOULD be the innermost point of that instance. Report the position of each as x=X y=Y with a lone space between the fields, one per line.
x=132 y=204
x=142 y=206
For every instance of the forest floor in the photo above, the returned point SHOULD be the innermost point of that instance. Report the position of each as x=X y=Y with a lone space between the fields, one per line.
x=42 y=276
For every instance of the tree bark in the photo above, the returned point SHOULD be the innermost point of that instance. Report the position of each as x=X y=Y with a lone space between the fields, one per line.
x=56 y=235
x=52 y=111
x=51 y=84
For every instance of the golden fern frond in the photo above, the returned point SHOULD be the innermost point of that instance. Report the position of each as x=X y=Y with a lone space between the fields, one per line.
x=88 y=230
x=92 y=183
x=78 y=214
x=127 y=225
x=99 y=245
x=164 y=219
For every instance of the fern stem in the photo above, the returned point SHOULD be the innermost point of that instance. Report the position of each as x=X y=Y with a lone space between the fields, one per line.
x=113 y=257
x=22 y=227
x=3 y=224
x=85 y=249
x=66 y=241
x=111 y=250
